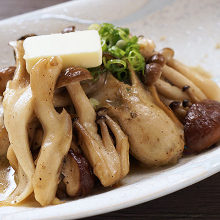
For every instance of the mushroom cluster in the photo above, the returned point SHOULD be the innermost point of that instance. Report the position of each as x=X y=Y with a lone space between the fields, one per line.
x=54 y=138
x=186 y=91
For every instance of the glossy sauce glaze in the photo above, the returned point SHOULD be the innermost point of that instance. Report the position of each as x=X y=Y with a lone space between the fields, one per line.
x=7 y=180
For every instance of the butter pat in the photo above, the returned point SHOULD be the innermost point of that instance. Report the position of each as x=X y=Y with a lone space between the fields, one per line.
x=81 y=48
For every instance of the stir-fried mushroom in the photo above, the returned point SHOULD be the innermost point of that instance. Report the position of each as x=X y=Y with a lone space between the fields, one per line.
x=18 y=110
x=213 y=91
x=122 y=145
x=4 y=142
x=180 y=81
x=179 y=108
x=61 y=98
x=202 y=125
x=91 y=86
x=72 y=75
x=155 y=139
x=153 y=69
x=109 y=164
x=160 y=104
x=170 y=91
x=57 y=129
x=147 y=46
x=6 y=74
x=178 y=85
x=105 y=115
x=78 y=176
x=153 y=72
x=174 y=77
x=167 y=53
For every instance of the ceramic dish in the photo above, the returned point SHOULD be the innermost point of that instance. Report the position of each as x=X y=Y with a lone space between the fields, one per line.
x=190 y=27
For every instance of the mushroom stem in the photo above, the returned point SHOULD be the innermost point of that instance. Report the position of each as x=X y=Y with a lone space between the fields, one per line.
x=82 y=104
x=207 y=86
x=169 y=91
x=176 y=107
x=168 y=53
x=57 y=129
x=122 y=145
x=180 y=81
x=164 y=107
x=104 y=165
x=109 y=146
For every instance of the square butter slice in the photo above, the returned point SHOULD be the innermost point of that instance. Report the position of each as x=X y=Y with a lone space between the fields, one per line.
x=80 y=48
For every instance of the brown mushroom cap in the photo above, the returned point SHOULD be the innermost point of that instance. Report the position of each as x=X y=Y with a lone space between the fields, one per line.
x=202 y=125
x=157 y=58
x=168 y=53
x=87 y=178
x=71 y=75
x=78 y=176
x=153 y=72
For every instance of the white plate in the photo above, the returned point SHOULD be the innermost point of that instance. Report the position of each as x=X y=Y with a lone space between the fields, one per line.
x=191 y=27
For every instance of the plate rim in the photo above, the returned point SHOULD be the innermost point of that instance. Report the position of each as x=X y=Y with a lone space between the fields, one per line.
x=211 y=169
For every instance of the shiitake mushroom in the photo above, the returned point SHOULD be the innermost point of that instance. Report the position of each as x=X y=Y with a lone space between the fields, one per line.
x=202 y=125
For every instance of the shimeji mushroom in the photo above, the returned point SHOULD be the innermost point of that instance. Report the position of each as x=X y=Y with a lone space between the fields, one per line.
x=175 y=81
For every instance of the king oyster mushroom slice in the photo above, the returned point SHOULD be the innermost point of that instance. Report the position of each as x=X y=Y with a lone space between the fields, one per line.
x=155 y=138
x=18 y=111
x=110 y=163
x=57 y=129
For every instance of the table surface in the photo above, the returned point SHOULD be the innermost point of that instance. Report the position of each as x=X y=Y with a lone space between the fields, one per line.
x=199 y=201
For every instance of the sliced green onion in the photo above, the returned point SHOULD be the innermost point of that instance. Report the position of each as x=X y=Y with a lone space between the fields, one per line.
x=116 y=64
x=104 y=45
x=118 y=43
x=121 y=44
x=116 y=52
x=136 y=60
x=123 y=34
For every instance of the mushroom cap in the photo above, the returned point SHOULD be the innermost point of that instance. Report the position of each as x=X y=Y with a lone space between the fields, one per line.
x=71 y=75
